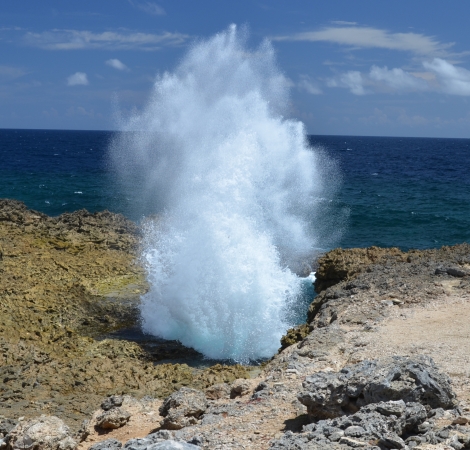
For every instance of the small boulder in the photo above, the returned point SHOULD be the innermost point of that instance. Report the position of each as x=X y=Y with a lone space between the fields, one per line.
x=43 y=433
x=183 y=408
x=239 y=387
x=111 y=402
x=108 y=444
x=112 y=419
x=173 y=445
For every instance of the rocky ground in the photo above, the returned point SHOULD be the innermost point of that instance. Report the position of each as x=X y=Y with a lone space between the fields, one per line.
x=67 y=283
x=382 y=363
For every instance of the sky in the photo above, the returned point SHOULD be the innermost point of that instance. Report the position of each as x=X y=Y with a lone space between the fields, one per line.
x=362 y=67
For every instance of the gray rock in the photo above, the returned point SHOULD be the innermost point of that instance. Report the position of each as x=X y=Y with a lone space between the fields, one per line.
x=453 y=271
x=182 y=408
x=112 y=419
x=108 y=444
x=328 y=395
x=239 y=387
x=45 y=432
x=392 y=440
x=354 y=431
x=173 y=445
x=6 y=425
x=147 y=441
x=372 y=423
x=111 y=402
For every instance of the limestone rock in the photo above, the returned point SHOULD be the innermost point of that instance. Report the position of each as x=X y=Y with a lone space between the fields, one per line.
x=328 y=395
x=341 y=264
x=183 y=408
x=218 y=391
x=43 y=433
x=239 y=387
x=173 y=445
x=6 y=425
x=113 y=418
x=385 y=425
x=111 y=402
x=108 y=444
x=149 y=440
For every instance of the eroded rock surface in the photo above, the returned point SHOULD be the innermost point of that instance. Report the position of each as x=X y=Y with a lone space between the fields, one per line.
x=43 y=433
x=66 y=283
x=182 y=408
x=328 y=395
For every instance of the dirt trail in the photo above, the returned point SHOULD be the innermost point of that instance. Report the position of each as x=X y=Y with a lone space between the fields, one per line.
x=440 y=329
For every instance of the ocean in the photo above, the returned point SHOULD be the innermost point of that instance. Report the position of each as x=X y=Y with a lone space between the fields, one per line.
x=395 y=192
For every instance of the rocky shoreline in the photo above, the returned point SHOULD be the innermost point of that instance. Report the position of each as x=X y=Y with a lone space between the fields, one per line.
x=345 y=379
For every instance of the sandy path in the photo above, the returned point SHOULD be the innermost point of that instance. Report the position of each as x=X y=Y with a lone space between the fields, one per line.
x=440 y=329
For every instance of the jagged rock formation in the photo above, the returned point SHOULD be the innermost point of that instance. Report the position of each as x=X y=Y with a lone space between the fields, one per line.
x=327 y=395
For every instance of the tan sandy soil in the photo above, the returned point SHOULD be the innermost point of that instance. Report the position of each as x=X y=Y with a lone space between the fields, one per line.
x=440 y=329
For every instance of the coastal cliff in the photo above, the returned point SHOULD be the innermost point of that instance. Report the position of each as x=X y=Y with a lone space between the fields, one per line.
x=381 y=363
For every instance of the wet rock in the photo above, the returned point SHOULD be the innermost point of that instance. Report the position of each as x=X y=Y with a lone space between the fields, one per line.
x=328 y=395
x=294 y=335
x=342 y=264
x=43 y=433
x=112 y=419
x=184 y=407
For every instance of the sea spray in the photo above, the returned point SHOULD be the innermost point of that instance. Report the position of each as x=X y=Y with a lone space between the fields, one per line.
x=238 y=193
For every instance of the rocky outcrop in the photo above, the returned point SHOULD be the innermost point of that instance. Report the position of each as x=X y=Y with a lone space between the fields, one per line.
x=386 y=404
x=183 y=408
x=73 y=232
x=113 y=418
x=346 y=264
x=358 y=285
x=43 y=433
x=379 y=426
x=327 y=395
x=339 y=265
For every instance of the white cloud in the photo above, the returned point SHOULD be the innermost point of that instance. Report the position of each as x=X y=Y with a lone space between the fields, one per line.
x=367 y=37
x=452 y=80
x=396 y=79
x=148 y=7
x=77 y=79
x=107 y=40
x=343 y=22
x=352 y=80
x=441 y=77
x=307 y=84
x=10 y=72
x=116 y=64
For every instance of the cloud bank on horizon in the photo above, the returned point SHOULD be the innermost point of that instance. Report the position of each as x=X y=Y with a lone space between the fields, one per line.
x=352 y=70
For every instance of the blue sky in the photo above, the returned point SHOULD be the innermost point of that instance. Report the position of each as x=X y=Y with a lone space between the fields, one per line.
x=362 y=67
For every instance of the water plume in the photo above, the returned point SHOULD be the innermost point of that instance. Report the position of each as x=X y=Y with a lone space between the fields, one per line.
x=239 y=195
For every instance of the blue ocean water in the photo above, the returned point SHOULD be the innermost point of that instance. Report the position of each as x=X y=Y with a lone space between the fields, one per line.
x=403 y=192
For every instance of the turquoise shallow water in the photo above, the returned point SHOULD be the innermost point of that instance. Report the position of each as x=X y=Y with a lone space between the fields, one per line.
x=404 y=192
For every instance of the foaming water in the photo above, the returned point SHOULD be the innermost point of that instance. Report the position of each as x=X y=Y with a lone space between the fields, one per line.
x=240 y=197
